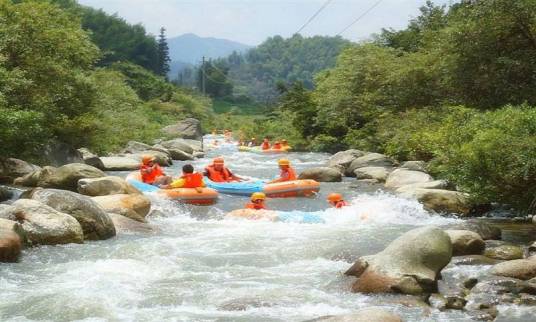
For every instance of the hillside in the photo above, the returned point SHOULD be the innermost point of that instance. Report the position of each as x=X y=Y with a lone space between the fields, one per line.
x=190 y=48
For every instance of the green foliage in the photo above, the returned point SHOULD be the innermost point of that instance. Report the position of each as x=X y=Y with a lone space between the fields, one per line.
x=163 y=54
x=213 y=78
x=146 y=84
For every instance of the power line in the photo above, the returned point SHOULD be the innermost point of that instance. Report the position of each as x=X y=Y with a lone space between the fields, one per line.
x=360 y=17
x=314 y=16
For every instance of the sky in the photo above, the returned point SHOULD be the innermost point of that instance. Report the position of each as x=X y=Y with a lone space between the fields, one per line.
x=252 y=21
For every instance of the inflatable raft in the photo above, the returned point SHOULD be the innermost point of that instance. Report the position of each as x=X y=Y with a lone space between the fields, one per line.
x=296 y=188
x=207 y=196
x=257 y=149
x=282 y=216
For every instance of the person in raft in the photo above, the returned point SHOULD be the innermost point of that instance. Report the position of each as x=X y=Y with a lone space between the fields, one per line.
x=277 y=145
x=257 y=201
x=217 y=172
x=287 y=172
x=252 y=143
x=189 y=179
x=284 y=144
x=152 y=173
x=265 y=144
x=336 y=200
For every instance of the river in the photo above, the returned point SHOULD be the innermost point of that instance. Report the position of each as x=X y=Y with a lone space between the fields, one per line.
x=198 y=266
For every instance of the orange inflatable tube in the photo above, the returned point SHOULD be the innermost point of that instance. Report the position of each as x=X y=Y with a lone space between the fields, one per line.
x=295 y=188
x=207 y=196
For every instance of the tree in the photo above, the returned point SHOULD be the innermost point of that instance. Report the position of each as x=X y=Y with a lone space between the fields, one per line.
x=163 y=54
x=215 y=77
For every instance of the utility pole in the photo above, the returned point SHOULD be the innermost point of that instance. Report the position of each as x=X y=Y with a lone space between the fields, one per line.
x=203 y=76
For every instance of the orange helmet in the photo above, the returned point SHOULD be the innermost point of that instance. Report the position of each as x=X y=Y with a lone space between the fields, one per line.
x=218 y=160
x=276 y=142
x=283 y=162
x=147 y=158
x=334 y=197
x=258 y=196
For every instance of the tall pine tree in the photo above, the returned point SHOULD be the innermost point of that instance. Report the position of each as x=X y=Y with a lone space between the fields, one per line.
x=163 y=54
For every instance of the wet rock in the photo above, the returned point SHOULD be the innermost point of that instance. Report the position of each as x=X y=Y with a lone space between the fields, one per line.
x=369 y=160
x=126 y=225
x=364 y=315
x=178 y=145
x=159 y=147
x=91 y=159
x=59 y=153
x=5 y=194
x=523 y=269
x=135 y=147
x=65 y=177
x=474 y=260
x=414 y=166
x=10 y=241
x=504 y=252
x=160 y=158
x=198 y=155
x=321 y=174
x=133 y=206
x=104 y=186
x=404 y=177
x=196 y=145
x=12 y=168
x=453 y=293
x=465 y=242
x=438 y=301
x=485 y=230
x=409 y=189
x=95 y=223
x=242 y=304
x=189 y=128
x=409 y=265
x=120 y=163
x=442 y=200
x=377 y=173
x=43 y=225
x=341 y=160
x=532 y=249
x=368 y=181
x=180 y=155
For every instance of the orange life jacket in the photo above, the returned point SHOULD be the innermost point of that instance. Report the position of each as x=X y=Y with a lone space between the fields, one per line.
x=341 y=204
x=256 y=206
x=277 y=146
x=218 y=176
x=265 y=145
x=288 y=174
x=193 y=180
x=149 y=174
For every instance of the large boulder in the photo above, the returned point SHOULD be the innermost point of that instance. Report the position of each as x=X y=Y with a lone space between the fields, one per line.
x=440 y=200
x=163 y=159
x=196 y=145
x=369 y=160
x=376 y=173
x=12 y=168
x=133 y=206
x=403 y=177
x=503 y=251
x=135 y=146
x=189 y=128
x=180 y=155
x=466 y=242
x=371 y=314
x=104 y=186
x=410 y=188
x=43 y=225
x=95 y=222
x=341 y=160
x=178 y=144
x=126 y=225
x=409 y=265
x=414 y=166
x=59 y=153
x=65 y=177
x=321 y=174
x=120 y=163
x=91 y=159
x=10 y=241
x=523 y=269
x=482 y=228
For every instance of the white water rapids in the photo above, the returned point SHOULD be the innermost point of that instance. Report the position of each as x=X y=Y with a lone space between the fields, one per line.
x=198 y=266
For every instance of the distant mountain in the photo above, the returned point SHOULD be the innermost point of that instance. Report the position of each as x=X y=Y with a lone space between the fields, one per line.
x=190 y=48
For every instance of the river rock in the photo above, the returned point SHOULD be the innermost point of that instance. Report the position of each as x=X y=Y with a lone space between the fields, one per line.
x=369 y=160
x=189 y=128
x=12 y=168
x=321 y=174
x=414 y=166
x=371 y=314
x=504 y=252
x=442 y=200
x=341 y=160
x=409 y=190
x=120 y=163
x=474 y=260
x=95 y=223
x=493 y=290
x=180 y=155
x=403 y=177
x=59 y=153
x=482 y=228
x=198 y=155
x=43 y=225
x=161 y=158
x=178 y=144
x=5 y=194
x=135 y=146
x=104 y=186
x=126 y=225
x=65 y=177
x=133 y=206
x=10 y=241
x=523 y=269
x=91 y=159
x=466 y=242
x=409 y=265
x=376 y=173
